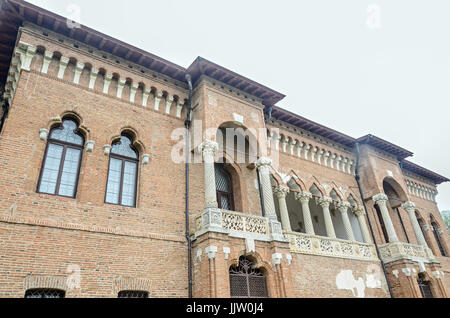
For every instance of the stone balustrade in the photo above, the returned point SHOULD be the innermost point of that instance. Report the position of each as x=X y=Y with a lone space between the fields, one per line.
x=324 y=246
x=399 y=250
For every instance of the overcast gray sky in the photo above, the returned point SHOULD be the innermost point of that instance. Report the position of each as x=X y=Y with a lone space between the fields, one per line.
x=338 y=64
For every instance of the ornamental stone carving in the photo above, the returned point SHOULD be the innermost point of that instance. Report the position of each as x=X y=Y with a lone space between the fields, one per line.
x=303 y=196
x=380 y=198
x=281 y=192
x=325 y=202
x=208 y=147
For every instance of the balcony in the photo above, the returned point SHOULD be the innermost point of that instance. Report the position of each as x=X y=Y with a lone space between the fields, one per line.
x=398 y=250
x=260 y=228
x=323 y=246
x=238 y=224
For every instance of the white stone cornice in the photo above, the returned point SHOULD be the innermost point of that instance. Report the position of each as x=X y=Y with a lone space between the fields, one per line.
x=281 y=191
x=48 y=56
x=284 y=144
x=120 y=86
x=145 y=96
x=292 y=145
x=92 y=77
x=180 y=106
x=107 y=82
x=158 y=97
x=78 y=70
x=27 y=56
x=332 y=158
x=338 y=163
x=313 y=153
x=63 y=62
x=133 y=90
x=306 y=150
x=169 y=101
x=350 y=166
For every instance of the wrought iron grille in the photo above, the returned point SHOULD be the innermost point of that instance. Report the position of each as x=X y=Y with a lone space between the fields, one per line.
x=133 y=294
x=246 y=281
x=44 y=293
x=425 y=288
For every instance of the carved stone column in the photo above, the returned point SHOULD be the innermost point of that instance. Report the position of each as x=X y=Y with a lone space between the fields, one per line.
x=208 y=148
x=410 y=207
x=343 y=207
x=381 y=200
x=360 y=213
x=281 y=193
x=325 y=204
x=263 y=165
x=304 y=198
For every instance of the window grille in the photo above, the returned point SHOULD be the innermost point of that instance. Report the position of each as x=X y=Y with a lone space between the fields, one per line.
x=44 y=293
x=246 y=281
x=133 y=294
x=425 y=288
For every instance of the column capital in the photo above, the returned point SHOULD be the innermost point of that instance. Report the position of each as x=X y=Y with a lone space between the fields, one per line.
x=281 y=192
x=343 y=206
x=325 y=202
x=303 y=196
x=208 y=147
x=409 y=206
x=263 y=162
x=359 y=211
x=379 y=198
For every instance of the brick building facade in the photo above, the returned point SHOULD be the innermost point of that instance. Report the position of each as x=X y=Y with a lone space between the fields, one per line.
x=93 y=186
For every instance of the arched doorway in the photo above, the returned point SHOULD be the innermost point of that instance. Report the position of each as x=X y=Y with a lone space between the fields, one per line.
x=246 y=281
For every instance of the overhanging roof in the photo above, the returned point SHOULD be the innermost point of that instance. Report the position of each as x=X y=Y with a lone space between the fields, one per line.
x=382 y=144
x=436 y=178
x=202 y=66
x=309 y=125
x=14 y=12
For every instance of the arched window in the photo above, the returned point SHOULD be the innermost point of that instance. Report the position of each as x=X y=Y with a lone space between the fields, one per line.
x=122 y=174
x=435 y=228
x=45 y=293
x=224 y=188
x=61 y=166
x=132 y=294
x=424 y=286
x=246 y=281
